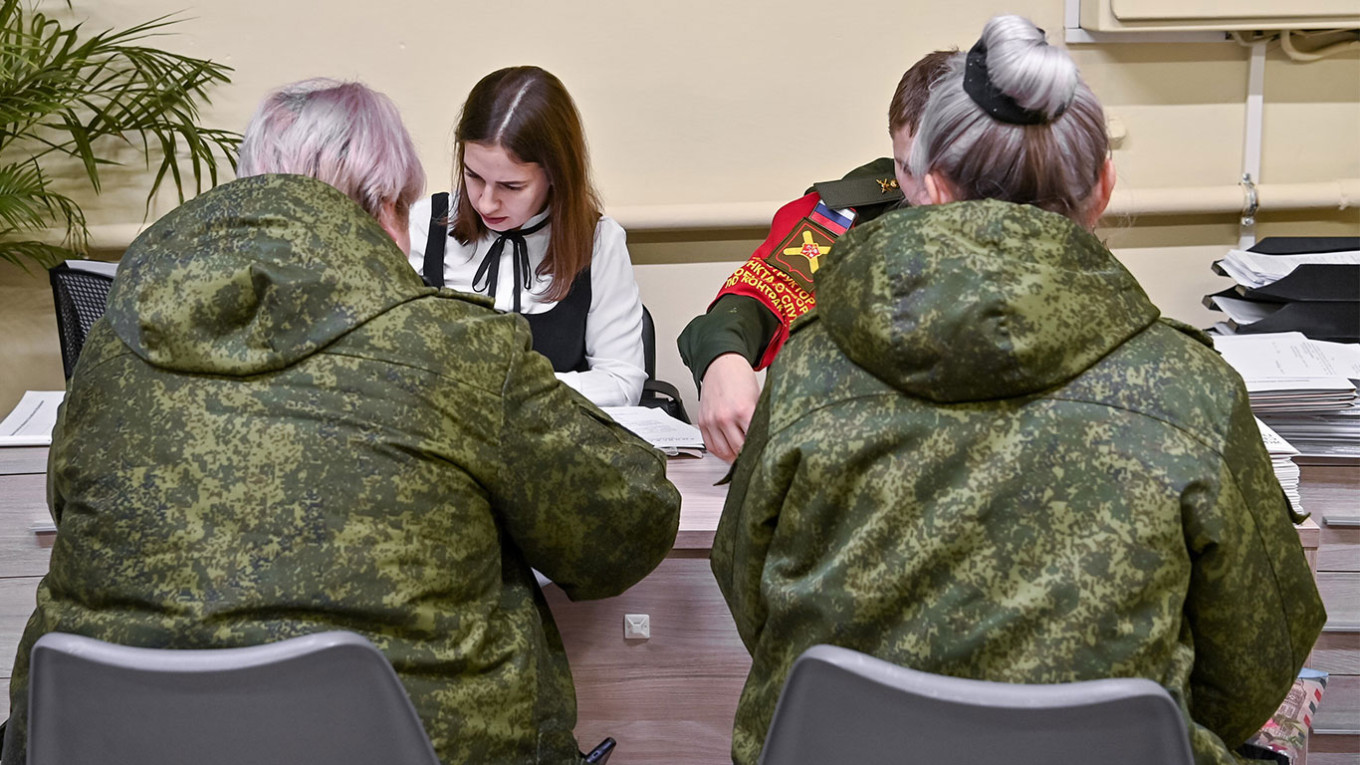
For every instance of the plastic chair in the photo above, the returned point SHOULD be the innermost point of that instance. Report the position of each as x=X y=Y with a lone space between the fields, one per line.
x=330 y=697
x=657 y=394
x=80 y=297
x=840 y=705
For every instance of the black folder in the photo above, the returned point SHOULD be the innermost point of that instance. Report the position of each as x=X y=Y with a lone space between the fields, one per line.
x=1321 y=300
x=1303 y=245
x=1310 y=282
x=1336 y=321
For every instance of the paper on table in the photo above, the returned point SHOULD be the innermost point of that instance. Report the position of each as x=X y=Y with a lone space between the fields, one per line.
x=659 y=429
x=1306 y=364
x=32 y=420
x=1282 y=463
x=1274 y=444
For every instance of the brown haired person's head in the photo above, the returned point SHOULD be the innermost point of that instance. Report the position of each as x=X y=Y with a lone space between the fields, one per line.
x=521 y=150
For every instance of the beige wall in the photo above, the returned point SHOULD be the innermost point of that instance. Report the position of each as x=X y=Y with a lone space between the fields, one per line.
x=708 y=101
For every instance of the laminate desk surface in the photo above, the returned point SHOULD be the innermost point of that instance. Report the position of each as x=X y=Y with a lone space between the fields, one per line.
x=701 y=500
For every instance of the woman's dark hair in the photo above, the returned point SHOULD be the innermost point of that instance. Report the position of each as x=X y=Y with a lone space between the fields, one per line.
x=913 y=90
x=527 y=112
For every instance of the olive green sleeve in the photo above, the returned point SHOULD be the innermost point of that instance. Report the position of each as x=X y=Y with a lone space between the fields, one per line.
x=733 y=324
x=749 y=519
x=586 y=501
x=1252 y=605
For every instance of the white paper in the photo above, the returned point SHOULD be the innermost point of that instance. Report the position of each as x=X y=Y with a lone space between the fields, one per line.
x=94 y=266
x=657 y=428
x=32 y=420
x=1288 y=355
x=1245 y=311
x=1328 y=388
x=1343 y=357
x=1254 y=270
x=1274 y=444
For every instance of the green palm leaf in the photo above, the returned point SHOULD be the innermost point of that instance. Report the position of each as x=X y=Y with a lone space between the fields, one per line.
x=66 y=96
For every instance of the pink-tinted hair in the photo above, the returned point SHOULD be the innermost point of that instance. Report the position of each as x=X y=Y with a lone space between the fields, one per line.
x=343 y=133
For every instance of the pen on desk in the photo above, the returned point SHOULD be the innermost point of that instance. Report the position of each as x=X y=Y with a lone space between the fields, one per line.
x=600 y=754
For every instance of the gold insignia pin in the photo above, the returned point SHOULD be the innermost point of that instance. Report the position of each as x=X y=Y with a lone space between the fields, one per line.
x=886 y=185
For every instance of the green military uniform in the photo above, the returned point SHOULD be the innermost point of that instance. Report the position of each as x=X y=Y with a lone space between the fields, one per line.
x=751 y=322
x=985 y=456
x=277 y=429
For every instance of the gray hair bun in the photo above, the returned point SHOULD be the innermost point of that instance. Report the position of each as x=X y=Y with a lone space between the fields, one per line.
x=1022 y=65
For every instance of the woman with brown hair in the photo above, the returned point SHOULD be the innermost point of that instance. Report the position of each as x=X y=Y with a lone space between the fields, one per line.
x=524 y=228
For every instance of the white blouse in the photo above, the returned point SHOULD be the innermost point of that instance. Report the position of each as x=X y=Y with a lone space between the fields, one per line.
x=613 y=324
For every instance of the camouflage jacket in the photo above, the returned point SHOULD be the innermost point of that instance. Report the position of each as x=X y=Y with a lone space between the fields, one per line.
x=984 y=456
x=277 y=429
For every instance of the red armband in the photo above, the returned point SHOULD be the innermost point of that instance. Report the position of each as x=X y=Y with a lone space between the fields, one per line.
x=780 y=273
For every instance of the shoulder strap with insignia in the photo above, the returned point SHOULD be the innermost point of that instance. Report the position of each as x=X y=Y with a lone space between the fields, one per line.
x=859 y=192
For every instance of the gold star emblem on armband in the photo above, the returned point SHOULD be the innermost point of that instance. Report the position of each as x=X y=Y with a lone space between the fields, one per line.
x=810 y=250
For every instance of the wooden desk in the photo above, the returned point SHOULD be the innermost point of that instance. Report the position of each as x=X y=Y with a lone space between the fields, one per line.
x=1332 y=495
x=23 y=554
x=670 y=698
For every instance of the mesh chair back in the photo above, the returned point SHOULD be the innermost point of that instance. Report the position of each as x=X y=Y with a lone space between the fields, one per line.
x=327 y=698
x=80 y=298
x=840 y=705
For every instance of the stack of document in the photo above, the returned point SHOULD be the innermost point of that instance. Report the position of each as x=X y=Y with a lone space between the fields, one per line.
x=1325 y=438
x=1304 y=389
x=1292 y=284
x=1254 y=270
x=1282 y=455
x=671 y=436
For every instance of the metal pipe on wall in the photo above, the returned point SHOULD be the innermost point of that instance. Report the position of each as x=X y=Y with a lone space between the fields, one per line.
x=1339 y=194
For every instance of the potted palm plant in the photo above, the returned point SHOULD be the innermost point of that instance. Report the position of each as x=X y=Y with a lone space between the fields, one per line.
x=67 y=98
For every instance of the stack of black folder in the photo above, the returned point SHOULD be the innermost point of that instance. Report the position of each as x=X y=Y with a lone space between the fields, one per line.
x=1321 y=300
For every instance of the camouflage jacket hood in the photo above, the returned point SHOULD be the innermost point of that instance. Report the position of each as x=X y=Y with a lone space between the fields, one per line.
x=255 y=275
x=925 y=297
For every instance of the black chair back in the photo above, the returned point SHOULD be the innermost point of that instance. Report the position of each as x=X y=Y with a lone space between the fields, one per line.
x=80 y=298
x=657 y=393
x=648 y=344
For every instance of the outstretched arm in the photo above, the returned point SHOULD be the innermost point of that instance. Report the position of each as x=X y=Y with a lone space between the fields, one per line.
x=585 y=500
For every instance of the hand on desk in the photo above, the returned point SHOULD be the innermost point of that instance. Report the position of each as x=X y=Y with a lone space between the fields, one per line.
x=726 y=404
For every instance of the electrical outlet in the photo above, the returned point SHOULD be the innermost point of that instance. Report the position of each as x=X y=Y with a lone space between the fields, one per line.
x=637 y=627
